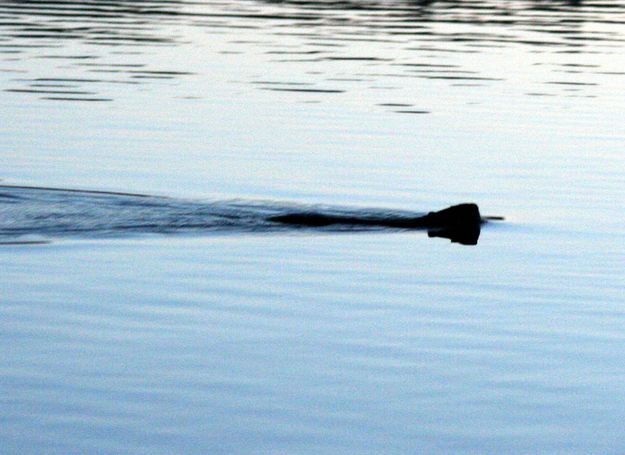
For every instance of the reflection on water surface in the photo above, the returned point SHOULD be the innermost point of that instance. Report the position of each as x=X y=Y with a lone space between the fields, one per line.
x=84 y=49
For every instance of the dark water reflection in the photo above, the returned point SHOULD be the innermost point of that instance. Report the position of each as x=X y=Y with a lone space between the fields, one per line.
x=85 y=50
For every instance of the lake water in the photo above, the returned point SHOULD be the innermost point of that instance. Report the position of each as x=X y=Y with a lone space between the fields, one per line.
x=121 y=335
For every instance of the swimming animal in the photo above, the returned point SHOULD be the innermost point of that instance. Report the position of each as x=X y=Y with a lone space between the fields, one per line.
x=459 y=223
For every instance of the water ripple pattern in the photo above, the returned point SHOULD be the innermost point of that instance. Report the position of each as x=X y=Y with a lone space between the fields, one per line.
x=99 y=50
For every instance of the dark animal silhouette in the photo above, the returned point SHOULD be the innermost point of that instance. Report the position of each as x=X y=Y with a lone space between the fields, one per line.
x=459 y=223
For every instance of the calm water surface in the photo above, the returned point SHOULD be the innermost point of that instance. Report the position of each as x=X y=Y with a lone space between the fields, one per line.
x=312 y=342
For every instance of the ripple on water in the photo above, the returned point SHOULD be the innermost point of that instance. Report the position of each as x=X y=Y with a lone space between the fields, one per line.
x=326 y=34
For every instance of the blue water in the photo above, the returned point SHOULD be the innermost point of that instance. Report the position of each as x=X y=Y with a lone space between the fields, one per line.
x=170 y=340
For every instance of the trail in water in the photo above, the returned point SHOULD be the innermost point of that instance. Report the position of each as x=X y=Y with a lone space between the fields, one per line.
x=29 y=214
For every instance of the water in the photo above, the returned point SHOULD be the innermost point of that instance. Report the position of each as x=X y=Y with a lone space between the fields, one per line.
x=308 y=341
